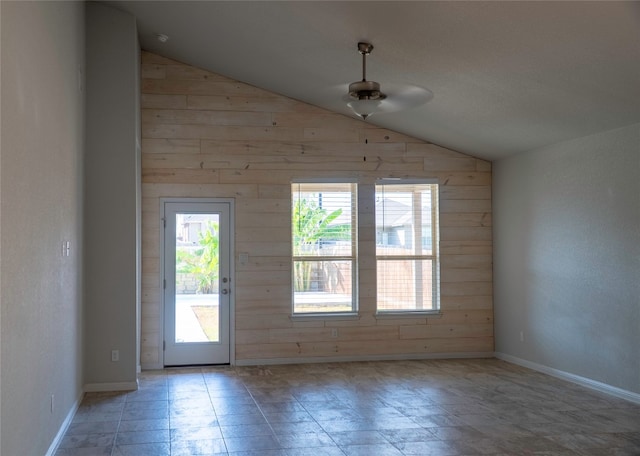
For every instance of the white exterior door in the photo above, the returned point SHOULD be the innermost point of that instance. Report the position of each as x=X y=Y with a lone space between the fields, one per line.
x=197 y=281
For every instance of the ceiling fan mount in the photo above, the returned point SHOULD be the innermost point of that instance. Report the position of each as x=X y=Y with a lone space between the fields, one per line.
x=365 y=48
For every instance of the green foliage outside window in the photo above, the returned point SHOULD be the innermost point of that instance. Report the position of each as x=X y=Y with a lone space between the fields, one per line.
x=203 y=262
x=311 y=225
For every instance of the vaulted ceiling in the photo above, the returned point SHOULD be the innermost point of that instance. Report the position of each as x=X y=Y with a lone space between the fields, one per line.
x=507 y=77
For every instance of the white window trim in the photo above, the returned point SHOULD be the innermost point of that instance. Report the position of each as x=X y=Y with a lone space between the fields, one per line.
x=434 y=257
x=353 y=313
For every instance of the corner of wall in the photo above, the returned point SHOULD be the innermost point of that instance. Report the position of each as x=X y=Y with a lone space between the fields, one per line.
x=112 y=204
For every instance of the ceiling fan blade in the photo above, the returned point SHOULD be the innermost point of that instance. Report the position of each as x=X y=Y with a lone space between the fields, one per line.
x=401 y=97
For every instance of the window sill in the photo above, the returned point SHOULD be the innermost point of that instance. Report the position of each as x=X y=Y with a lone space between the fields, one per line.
x=324 y=316
x=409 y=314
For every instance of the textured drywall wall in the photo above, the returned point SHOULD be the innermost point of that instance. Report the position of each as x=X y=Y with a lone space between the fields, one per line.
x=567 y=257
x=42 y=156
x=112 y=182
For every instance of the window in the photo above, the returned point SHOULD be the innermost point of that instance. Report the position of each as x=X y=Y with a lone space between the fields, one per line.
x=407 y=260
x=324 y=238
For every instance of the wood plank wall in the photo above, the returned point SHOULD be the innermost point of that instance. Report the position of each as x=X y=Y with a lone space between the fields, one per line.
x=204 y=135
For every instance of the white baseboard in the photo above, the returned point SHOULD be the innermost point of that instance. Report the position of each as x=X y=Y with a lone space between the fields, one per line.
x=65 y=425
x=582 y=381
x=336 y=359
x=146 y=367
x=105 y=387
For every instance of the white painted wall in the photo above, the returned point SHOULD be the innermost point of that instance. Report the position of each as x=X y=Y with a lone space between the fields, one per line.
x=112 y=182
x=567 y=257
x=41 y=205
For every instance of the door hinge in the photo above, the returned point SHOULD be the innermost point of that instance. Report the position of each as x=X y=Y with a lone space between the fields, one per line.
x=164 y=345
x=164 y=284
x=164 y=222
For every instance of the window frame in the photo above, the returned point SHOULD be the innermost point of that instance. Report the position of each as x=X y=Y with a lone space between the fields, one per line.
x=353 y=258
x=434 y=257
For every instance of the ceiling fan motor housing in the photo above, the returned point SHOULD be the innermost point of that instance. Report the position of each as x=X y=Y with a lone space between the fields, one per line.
x=365 y=90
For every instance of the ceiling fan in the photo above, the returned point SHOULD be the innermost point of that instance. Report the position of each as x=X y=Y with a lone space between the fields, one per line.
x=365 y=98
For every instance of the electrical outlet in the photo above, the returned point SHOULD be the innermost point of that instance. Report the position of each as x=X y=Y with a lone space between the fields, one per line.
x=334 y=332
x=115 y=355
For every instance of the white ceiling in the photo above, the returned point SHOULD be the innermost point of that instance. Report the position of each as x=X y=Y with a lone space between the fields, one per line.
x=507 y=77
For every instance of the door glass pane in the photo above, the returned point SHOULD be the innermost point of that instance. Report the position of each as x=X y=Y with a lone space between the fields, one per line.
x=197 y=317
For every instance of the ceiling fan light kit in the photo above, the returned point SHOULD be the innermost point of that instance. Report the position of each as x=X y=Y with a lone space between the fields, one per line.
x=365 y=96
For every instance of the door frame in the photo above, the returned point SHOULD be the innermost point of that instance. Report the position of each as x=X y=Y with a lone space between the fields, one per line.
x=232 y=271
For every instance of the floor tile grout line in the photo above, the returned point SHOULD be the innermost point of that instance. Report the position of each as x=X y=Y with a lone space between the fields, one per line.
x=166 y=379
x=115 y=437
x=206 y=385
x=273 y=432
x=126 y=401
x=269 y=422
x=322 y=427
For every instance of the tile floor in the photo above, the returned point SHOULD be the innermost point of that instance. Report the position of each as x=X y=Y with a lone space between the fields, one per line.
x=443 y=407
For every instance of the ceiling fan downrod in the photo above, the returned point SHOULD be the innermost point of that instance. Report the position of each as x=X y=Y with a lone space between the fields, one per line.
x=365 y=90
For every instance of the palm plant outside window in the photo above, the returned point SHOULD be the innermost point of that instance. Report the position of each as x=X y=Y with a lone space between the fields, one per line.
x=324 y=247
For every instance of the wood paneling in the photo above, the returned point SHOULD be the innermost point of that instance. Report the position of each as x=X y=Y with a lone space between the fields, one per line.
x=204 y=135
